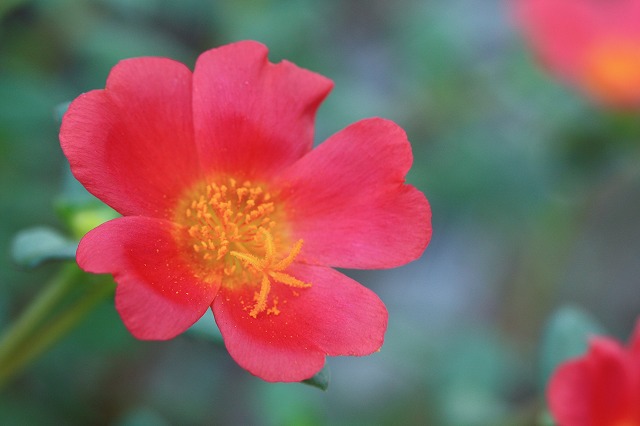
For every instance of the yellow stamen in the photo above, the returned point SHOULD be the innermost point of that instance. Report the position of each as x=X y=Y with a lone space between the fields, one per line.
x=261 y=298
x=268 y=269
x=236 y=235
x=249 y=259
x=295 y=251
x=288 y=279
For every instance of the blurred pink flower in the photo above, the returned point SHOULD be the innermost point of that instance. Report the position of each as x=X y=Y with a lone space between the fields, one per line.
x=601 y=388
x=593 y=45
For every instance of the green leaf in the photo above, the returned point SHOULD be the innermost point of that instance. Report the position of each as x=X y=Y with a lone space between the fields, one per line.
x=566 y=336
x=320 y=380
x=34 y=246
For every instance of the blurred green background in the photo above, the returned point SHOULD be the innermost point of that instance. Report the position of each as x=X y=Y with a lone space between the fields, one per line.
x=535 y=197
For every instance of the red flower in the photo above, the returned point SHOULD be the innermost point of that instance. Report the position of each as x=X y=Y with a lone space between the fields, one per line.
x=226 y=206
x=592 y=44
x=601 y=388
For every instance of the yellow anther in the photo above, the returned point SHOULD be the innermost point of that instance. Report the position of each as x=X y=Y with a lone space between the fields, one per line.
x=241 y=192
x=274 y=309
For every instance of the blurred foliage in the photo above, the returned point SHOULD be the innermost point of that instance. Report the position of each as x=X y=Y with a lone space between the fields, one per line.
x=34 y=246
x=535 y=194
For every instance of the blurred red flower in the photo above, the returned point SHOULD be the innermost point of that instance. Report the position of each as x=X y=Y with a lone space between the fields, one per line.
x=591 y=44
x=225 y=205
x=601 y=388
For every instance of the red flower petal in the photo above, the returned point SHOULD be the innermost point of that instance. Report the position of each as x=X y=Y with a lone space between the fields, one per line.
x=611 y=381
x=253 y=117
x=559 y=31
x=349 y=203
x=157 y=295
x=596 y=389
x=131 y=144
x=569 y=394
x=335 y=316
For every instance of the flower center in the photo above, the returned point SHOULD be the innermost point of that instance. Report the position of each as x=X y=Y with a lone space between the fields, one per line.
x=612 y=71
x=235 y=233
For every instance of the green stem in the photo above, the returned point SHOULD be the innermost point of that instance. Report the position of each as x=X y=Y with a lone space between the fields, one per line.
x=57 y=328
x=35 y=331
x=35 y=314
